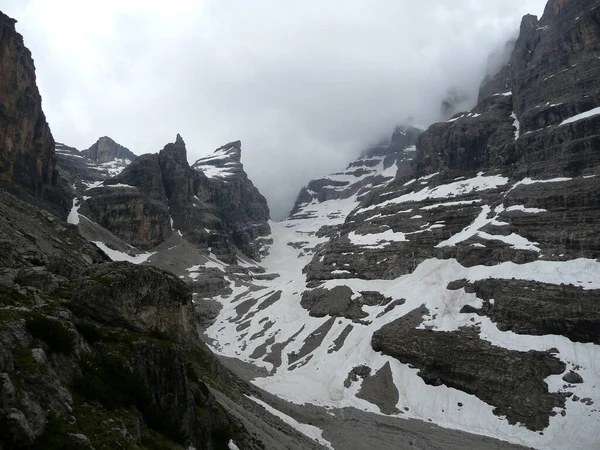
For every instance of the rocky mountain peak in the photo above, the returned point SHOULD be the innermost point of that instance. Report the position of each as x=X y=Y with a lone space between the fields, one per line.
x=377 y=166
x=106 y=149
x=175 y=151
x=224 y=163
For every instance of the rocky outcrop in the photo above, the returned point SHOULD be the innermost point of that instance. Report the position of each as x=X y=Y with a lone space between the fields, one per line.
x=468 y=141
x=224 y=163
x=515 y=305
x=106 y=150
x=549 y=79
x=136 y=218
x=376 y=166
x=140 y=298
x=85 y=169
x=460 y=359
x=229 y=194
x=159 y=194
x=26 y=144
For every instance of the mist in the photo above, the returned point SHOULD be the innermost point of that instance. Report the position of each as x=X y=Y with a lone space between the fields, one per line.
x=305 y=85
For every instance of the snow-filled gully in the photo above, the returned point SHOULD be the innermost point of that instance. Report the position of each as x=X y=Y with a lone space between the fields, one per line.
x=318 y=377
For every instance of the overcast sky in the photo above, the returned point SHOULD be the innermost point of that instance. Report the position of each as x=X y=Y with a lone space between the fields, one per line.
x=305 y=84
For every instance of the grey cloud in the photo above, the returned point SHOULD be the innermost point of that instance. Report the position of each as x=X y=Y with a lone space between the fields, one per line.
x=305 y=85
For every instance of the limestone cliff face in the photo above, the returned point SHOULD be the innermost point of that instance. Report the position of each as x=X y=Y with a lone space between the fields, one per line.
x=159 y=194
x=137 y=211
x=26 y=143
x=551 y=77
x=513 y=182
x=225 y=189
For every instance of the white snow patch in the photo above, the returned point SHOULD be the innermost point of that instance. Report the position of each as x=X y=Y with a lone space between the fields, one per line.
x=376 y=239
x=474 y=229
x=118 y=185
x=444 y=205
x=517 y=126
x=116 y=255
x=584 y=115
x=527 y=181
x=478 y=183
x=524 y=209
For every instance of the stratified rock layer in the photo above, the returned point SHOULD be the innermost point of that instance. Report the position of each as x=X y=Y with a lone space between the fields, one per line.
x=26 y=143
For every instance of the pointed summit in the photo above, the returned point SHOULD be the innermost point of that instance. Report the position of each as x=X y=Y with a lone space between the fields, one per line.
x=179 y=140
x=224 y=163
x=106 y=149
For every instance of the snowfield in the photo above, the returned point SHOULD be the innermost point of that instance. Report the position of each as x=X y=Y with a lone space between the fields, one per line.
x=318 y=377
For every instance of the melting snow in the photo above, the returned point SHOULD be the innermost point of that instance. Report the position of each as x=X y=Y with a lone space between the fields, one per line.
x=584 y=115
x=524 y=209
x=517 y=125
x=478 y=183
x=116 y=255
x=374 y=239
x=318 y=378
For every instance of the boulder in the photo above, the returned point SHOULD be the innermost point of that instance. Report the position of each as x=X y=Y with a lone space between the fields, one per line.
x=141 y=298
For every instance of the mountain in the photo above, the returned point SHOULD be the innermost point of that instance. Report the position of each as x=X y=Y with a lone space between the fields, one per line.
x=97 y=353
x=159 y=195
x=106 y=150
x=27 y=159
x=465 y=289
x=82 y=170
x=442 y=291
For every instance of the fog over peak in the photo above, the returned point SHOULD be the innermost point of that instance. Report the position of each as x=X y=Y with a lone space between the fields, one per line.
x=305 y=85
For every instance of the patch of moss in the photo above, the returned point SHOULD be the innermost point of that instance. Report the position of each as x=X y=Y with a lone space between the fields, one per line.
x=152 y=440
x=56 y=436
x=102 y=280
x=14 y=298
x=104 y=428
x=9 y=314
x=52 y=332
x=23 y=359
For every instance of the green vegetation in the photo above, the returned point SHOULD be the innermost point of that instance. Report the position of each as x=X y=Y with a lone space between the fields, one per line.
x=56 y=436
x=14 y=298
x=52 y=332
x=108 y=380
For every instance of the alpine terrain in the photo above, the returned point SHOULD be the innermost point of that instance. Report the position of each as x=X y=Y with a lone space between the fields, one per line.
x=441 y=292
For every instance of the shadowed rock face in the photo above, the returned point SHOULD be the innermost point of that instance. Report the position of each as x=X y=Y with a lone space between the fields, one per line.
x=159 y=194
x=140 y=298
x=551 y=76
x=226 y=191
x=26 y=143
